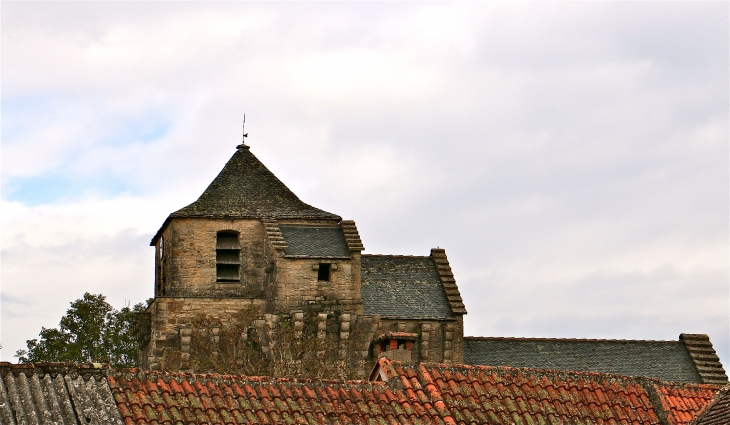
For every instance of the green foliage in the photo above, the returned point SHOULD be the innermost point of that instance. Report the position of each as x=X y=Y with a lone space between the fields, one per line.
x=91 y=331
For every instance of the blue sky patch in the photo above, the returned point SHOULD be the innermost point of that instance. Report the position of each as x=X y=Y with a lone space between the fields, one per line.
x=143 y=130
x=50 y=188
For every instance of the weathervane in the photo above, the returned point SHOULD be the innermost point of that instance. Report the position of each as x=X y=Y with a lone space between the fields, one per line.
x=244 y=129
x=243 y=139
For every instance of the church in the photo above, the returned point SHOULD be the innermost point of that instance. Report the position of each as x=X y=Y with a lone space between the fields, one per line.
x=250 y=242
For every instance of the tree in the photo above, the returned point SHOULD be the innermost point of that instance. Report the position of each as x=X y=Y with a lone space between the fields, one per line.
x=91 y=331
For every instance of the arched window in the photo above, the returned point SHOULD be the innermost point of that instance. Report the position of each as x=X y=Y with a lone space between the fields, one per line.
x=228 y=257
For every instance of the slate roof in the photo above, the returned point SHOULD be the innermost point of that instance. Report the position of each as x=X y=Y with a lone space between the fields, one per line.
x=56 y=393
x=311 y=241
x=245 y=188
x=511 y=396
x=717 y=412
x=664 y=360
x=402 y=286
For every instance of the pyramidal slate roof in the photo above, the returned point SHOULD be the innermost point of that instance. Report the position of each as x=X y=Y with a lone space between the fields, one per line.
x=245 y=188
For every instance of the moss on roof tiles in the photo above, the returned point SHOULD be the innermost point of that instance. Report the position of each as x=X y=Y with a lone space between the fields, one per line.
x=245 y=188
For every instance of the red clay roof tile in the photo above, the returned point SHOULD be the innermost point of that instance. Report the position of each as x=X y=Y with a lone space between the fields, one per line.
x=426 y=393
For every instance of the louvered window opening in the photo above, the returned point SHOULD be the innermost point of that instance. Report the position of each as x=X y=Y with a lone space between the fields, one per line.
x=228 y=257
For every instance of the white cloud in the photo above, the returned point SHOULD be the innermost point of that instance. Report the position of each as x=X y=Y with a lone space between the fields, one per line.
x=571 y=157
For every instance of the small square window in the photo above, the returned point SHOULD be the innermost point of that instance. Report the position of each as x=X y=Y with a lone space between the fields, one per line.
x=324 y=272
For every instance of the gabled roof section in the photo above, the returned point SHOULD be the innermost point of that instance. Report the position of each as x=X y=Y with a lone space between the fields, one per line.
x=56 y=393
x=402 y=286
x=664 y=360
x=245 y=188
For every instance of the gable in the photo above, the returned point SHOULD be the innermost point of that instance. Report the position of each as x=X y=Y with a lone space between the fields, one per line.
x=664 y=360
x=402 y=286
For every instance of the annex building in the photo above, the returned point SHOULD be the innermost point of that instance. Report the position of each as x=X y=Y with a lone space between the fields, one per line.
x=248 y=241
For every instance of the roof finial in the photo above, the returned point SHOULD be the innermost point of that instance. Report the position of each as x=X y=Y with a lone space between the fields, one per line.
x=243 y=139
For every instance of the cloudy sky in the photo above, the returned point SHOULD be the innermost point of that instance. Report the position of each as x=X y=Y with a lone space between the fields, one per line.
x=571 y=157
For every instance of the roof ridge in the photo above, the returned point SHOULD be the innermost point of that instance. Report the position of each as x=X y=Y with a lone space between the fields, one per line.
x=259 y=379
x=569 y=373
x=52 y=368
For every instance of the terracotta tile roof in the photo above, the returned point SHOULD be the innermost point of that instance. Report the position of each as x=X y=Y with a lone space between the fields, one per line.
x=166 y=398
x=56 y=393
x=411 y=394
x=683 y=402
x=245 y=188
x=717 y=412
x=511 y=396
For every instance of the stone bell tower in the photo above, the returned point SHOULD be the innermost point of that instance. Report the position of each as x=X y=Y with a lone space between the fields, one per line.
x=247 y=241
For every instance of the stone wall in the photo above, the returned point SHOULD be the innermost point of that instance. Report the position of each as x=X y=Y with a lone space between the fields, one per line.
x=186 y=287
x=168 y=315
x=298 y=288
x=171 y=317
x=439 y=340
x=188 y=266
